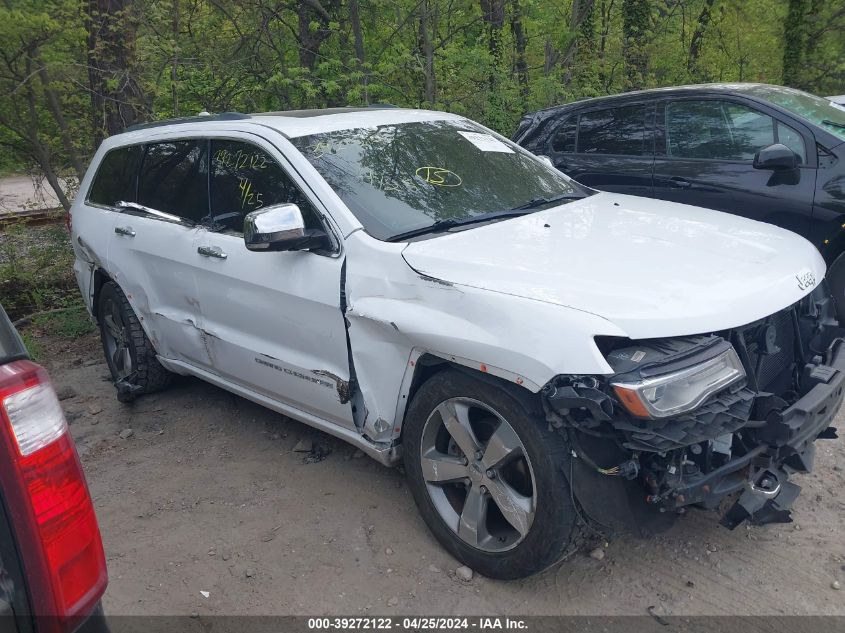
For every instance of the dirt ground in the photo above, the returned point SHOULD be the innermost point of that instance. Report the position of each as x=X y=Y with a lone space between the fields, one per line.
x=206 y=495
x=20 y=193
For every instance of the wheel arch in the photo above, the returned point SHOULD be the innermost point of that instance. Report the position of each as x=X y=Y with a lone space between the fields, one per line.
x=834 y=248
x=101 y=278
x=425 y=364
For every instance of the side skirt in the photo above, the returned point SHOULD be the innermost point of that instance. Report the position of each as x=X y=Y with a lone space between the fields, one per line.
x=382 y=452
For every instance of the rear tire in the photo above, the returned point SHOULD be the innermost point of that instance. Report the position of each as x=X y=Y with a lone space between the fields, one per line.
x=129 y=353
x=501 y=504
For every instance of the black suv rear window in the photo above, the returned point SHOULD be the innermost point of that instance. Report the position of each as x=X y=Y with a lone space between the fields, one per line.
x=613 y=131
x=116 y=178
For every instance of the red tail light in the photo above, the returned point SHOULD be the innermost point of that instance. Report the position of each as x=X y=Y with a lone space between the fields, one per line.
x=68 y=221
x=47 y=498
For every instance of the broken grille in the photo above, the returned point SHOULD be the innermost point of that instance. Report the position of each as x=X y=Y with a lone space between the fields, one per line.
x=768 y=350
x=722 y=414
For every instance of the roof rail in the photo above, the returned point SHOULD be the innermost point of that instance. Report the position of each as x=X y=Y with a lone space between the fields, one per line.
x=223 y=116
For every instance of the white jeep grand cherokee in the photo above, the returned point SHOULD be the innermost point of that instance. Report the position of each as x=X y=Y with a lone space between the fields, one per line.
x=544 y=357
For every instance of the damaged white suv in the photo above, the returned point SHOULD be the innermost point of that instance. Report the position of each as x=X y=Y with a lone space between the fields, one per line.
x=542 y=356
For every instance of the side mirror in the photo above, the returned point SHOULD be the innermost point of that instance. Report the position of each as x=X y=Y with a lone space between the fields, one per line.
x=777 y=157
x=281 y=228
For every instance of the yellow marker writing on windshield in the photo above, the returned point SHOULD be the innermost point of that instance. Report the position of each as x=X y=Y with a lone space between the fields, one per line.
x=439 y=176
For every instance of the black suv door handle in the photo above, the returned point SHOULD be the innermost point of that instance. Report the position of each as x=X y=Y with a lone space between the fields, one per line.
x=211 y=251
x=680 y=183
x=124 y=230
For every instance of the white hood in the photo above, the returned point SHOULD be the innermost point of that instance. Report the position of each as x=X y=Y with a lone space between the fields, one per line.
x=651 y=267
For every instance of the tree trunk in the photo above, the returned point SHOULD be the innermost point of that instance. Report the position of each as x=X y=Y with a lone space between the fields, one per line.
x=309 y=42
x=41 y=151
x=582 y=10
x=58 y=115
x=550 y=57
x=604 y=31
x=174 y=65
x=427 y=49
x=636 y=23
x=358 y=43
x=793 y=42
x=698 y=36
x=520 y=44
x=493 y=13
x=116 y=96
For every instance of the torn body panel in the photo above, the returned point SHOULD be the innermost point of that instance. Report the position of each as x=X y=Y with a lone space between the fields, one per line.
x=394 y=316
x=85 y=264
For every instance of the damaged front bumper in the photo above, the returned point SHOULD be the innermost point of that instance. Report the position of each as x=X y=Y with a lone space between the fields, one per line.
x=741 y=444
x=786 y=446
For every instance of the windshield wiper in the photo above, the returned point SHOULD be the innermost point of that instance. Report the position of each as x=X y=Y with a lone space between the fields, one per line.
x=833 y=123
x=154 y=212
x=449 y=223
x=538 y=202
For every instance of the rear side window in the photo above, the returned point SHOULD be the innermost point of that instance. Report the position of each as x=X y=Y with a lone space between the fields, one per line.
x=117 y=177
x=564 y=138
x=174 y=179
x=613 y=131
x=245 y=178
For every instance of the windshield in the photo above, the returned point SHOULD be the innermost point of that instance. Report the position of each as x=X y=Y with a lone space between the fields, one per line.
x=821 y=112
x=402 y=177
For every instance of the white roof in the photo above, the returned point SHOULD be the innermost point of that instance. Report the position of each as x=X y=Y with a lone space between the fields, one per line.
x=291 y=124
x=313 y=123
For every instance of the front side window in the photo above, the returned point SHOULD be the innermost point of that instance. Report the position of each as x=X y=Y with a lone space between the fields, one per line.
x=245 y=178
x=821 y=112
x=174 y=179
x=793 y=140
x=719 y=130
x=613 y=131
x=402 y=177
x=117 y=177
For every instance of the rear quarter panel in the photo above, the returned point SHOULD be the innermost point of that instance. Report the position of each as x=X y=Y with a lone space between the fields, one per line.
x=91 y=230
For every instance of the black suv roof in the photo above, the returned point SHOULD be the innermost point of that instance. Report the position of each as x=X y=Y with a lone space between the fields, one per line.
x=735 y=88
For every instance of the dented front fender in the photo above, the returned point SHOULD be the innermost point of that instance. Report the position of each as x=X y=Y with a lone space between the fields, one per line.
x=394 y=315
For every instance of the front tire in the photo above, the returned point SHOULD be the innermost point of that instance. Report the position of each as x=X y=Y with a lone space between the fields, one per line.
x=488 y=477
x=129 y=353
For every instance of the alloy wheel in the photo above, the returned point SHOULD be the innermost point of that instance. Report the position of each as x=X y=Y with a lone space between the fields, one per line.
x=116 y=337
x=478 y=475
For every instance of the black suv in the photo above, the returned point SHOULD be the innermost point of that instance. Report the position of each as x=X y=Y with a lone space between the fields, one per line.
x=765 y=152
x=52 y=567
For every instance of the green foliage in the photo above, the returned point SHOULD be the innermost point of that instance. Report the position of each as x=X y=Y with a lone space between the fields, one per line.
x=71 y=321
x=162 y=58
x=36 y=270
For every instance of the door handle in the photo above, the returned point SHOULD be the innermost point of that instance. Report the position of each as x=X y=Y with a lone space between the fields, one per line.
x=124 y=230
x=680 y=183
x=211 y=251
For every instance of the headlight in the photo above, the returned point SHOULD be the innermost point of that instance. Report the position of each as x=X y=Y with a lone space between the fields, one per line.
x=677 y=392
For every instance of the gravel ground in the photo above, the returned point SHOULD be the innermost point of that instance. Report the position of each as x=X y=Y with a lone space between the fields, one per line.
x=199 y=491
